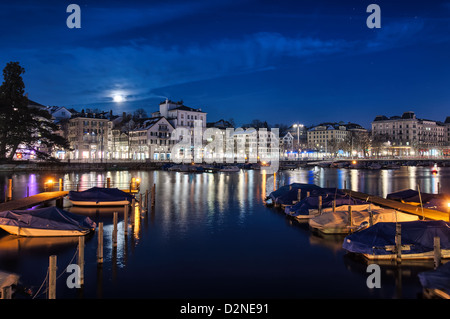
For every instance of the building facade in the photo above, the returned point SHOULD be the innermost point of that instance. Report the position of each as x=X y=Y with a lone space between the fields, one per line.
x=89 y=136
x=408 y=135
x=152 y=140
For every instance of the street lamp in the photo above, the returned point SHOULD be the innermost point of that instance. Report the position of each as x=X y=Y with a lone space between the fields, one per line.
x=298 y=131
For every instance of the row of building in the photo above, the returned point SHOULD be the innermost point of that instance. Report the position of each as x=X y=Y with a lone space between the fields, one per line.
x=104 y=136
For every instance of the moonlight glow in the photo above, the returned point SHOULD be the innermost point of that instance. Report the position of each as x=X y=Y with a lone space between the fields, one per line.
x=118 y=98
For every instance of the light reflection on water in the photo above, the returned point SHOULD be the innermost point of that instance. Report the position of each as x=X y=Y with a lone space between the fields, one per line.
x=210 y=235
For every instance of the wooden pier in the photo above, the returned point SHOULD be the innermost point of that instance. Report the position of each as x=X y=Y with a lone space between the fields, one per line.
x=33 y=200
x=406 y=208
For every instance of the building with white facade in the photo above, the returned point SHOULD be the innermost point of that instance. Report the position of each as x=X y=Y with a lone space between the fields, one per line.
x=152 y=140
x=408 y=135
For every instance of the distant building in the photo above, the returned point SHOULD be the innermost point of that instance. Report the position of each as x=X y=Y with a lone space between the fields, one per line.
x=408 y=135
x=60 y=113
x=89 y=136
x=333 y=138
x=180 y=115
x=151 y=141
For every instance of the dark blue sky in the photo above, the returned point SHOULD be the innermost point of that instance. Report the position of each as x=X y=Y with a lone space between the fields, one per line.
x=279 y=61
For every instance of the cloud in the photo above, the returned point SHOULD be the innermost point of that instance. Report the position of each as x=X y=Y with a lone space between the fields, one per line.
x=86 y=74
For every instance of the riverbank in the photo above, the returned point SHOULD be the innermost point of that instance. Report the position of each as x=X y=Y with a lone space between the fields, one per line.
x=78 y=167
x=28 y=166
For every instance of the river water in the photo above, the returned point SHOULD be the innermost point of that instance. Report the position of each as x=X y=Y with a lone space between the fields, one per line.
x=210 y=236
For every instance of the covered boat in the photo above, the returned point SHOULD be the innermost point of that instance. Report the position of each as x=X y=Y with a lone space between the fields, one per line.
x=48 y=221
x=287 y=194
x=442 y=204
x=437 y=282
x=339 y=222
x=309 y=206
x=98 y=196
x=230 y=169
x=411 y=196
x=417 y=239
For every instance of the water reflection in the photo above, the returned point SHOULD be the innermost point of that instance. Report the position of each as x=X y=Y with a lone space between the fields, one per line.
x=210 y=227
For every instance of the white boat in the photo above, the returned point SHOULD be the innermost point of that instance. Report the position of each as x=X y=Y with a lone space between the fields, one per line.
x=98 y=196
x=227 y=169
x=339 y=222
x=45 y=222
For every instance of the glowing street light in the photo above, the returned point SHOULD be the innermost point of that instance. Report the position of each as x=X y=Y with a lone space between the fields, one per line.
x=296 y=125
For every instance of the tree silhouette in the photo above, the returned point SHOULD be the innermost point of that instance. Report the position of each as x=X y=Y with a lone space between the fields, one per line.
x=21 y=123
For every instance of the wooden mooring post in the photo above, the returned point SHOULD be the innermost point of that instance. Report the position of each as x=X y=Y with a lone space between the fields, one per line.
x=52 y=277
x=108 y=182
x=100 y=244
x=81 y=258
x=153 y=195
x=398 y=242
x=146 y=200
x=320 y=205
x=132 y=211
x=350 y=218
x=114 y=234
x=125 y=219
x=299 y=195
x=61 y=185
x=437 y=251
x=9 y=190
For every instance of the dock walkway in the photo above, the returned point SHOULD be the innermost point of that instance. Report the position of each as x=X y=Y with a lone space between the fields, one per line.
x=406 y=208
x=32 y=200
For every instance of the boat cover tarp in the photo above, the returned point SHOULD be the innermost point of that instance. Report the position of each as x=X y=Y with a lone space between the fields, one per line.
x=441 y=204
x=312 y=203
x=292 y=188
x=410 y=195
x=360 y=214
x=46 y=218
x=99 y=194
x=288 y=196
x=8 y=279
x=436 y=279
x=418 y=234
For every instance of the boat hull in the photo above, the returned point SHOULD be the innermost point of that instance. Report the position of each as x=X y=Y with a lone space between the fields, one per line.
x=40 y=232
x=92 y=203
x=445 y=253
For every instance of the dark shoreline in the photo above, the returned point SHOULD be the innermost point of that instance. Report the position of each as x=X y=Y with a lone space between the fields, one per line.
x=28 y=166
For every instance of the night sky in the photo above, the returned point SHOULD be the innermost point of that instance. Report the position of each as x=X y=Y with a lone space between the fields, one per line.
x=278 y=61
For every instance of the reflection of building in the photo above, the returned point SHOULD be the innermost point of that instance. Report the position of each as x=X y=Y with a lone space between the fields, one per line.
x=88 y=136
x=408 y=135
x=151 y=140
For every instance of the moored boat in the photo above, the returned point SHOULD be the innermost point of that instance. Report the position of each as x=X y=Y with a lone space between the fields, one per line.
x=230 y=169
x=417 y=240
x=98 y=196
x=45 y=222
x=342 y=221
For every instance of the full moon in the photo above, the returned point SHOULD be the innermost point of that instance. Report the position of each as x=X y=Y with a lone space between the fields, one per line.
x=118 y=98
